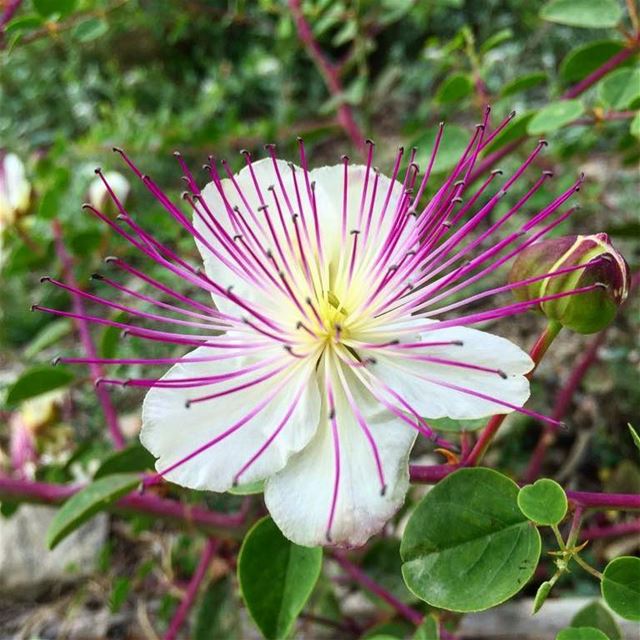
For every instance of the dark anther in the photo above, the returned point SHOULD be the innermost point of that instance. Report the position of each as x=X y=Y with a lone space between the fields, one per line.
x=328 y=537
x=187 y=404
x=45 y=279
x=299 y=138
x=441 y=123
x=86 y=205
x=237 y=237
x=502 y=374
x=548 y=173
x=313 y=186
x=244 y=152
x=354 y=232
x=234 y=483
x=229 y=289
x=411 y=253
x=497 y=172
x=457 y=199
x=271 y=188
x=458 y=183
x=110 y=259
x=206 y=167
x=512 y=114
x=98 y=382
x=294 y=217
x=400 y=149
x=395 y=341
x=55 y=361
x=458 y=343
x=97 y=276
x=185 y=195
x=370 y=141
x=97 y=170
x=447 y=223
x=35 y=307
x=543 y=143
x=344 y=157
x=308 y=300
x=383 y=490
x=269 y=146
x=372 y=361
x=299 y=325
x=117 y=150
x=177 y=154
x=332 y=413
x=263 y=207
x=408 y=192
x=392 y=268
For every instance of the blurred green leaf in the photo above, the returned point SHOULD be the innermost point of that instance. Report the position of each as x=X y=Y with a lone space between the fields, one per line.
x=24 y=23
x=457 y=540
x=85 y=504
x=36 y=381
x=119 y=593
x=457 y=426
x=48 y=336
x=620 y=88
x=581 y=61
x=428 y=630
x=218 y=613
x=597 y=14
x=523 y=83
x=621 y=586
x=596 y=615
x=456 y=87
x=90 y=29
x=252 y=488
x=454 y=141
x=133 y=458
x=276 y=578
x=50 y=8
x=634 y=128
x=554 y=116
x=504 y=35
x=581 y=633
x=634 y=436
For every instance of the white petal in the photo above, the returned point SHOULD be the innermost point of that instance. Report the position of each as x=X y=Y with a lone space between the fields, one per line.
x=299 y=498
x=14 y=187
x=410 y=378
x=172 y=431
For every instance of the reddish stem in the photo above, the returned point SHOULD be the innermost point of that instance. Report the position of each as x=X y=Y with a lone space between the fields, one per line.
x=108 y=410
x=413 y=616
x=330 y=74
x=611 y=531
x=595 y=500
x=18 y=490
x=8 y=13
x=192 y=590
x=488 y=433
x=561 y=406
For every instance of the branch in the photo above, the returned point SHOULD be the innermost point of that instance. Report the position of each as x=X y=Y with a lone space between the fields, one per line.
x=212 y=522
x=330 y=74
x=611 y=531
x=192 y=590
x=593 y=500
x=110 y=416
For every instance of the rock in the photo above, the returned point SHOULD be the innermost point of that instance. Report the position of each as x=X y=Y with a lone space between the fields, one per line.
x=27 y=567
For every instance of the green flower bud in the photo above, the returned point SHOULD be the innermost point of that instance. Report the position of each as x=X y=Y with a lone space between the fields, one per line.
x=585 y=312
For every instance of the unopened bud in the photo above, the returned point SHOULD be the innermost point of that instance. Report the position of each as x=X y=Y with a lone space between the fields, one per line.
x=597 y=265
x=99 y=196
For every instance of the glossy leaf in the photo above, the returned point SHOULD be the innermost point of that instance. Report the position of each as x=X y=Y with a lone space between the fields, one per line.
x=554 y=116
x=87 y=503
x=621 y=586
x=456 y=87
x=581 y=633
x=51 y=8
x=523 y=83
x=541 y=595
x=583 y=13
x=467 y=546
x=129 y=460
x=36 y=381
x=543 y=502
x=597 y=616
x=276 y=578
x=428 y=630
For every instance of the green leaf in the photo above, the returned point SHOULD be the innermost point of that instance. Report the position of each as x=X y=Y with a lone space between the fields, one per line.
x=132 y=459
x=87 y=503
x=544 y=502
x=583 y=60
x=276 y=578
x=428 y=630
x=496 y=40
x=634 y=435
x=541 y=595
x=457 y=426
x=523 y=83
x=516 y=129
x=581 y=633
x=554 y=116
x=50 y=8
x=467 y=546
x=49 y=335
x=621 y=586
x=620 y=89
x=119 y=592
x=597 y=616
x=598 y=14
x=24 y=23
x=90 y=29
x=456 y=87
x=454 y=141
x=218 y=614
x=248 y=489
x=634 y=129
x=37 y=381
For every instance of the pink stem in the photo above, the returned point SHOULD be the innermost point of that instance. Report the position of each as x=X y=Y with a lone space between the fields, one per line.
x=8 y=13
x=192 y=590
x=19 y=490
x=611 y=531
x=595 y=500
x=413 y=616
x=330 y=73
x=110 y=416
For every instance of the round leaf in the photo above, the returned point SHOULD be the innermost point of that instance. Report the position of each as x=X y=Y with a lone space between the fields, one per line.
x=86 y=503
x=467 y=546
x=581 y=633
x=583 y=13
x=37 y=381
x=276 y=577
x=597 y=616
x=621 y=586
x=544 y=502
x=554 y=116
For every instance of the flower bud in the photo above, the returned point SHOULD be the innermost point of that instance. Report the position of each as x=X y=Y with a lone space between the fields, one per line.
x=15 y=190
x=99 y=196
x=602 y=265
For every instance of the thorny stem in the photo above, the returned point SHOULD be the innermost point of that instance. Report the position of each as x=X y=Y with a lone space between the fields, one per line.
x=224 y=525
x=110 y=415
x=330 y=74
x=192 y=590
x=413 y=616
x=488 y=433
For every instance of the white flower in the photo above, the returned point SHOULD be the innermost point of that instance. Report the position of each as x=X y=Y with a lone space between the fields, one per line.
x=332 y=338
x=99 y=195
x=15 y=190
